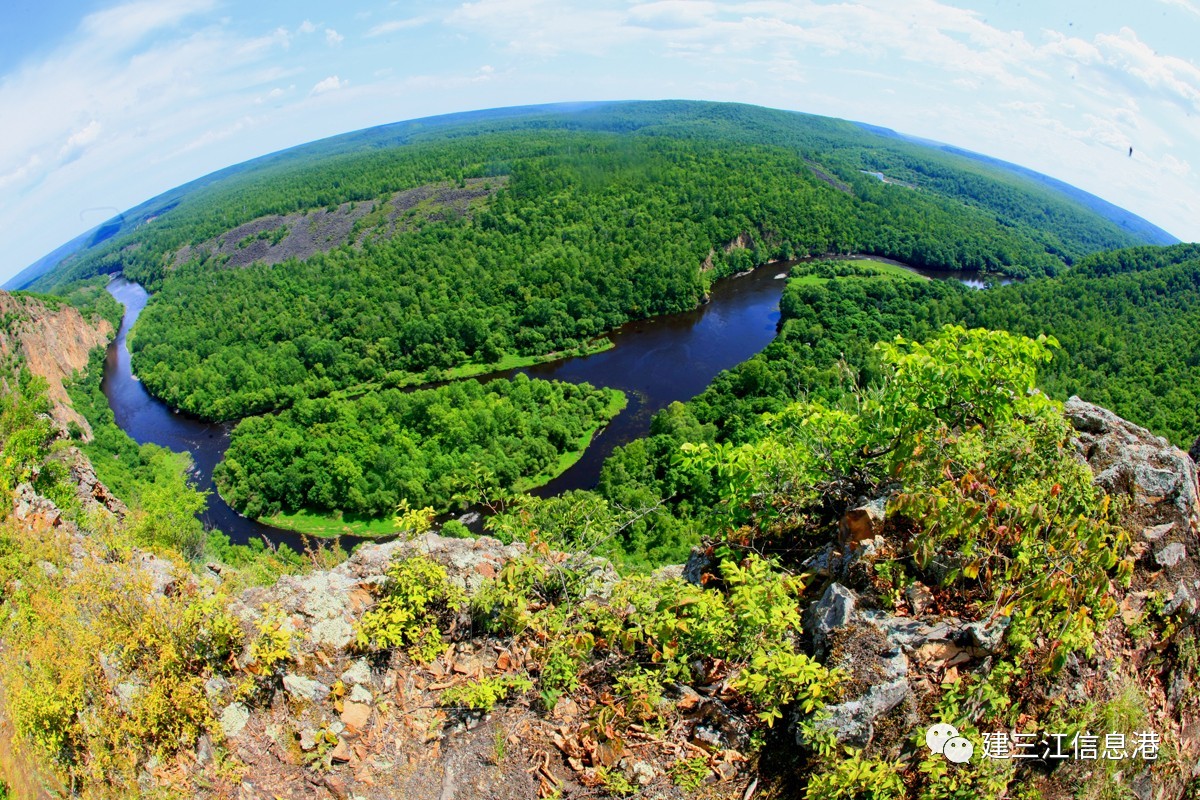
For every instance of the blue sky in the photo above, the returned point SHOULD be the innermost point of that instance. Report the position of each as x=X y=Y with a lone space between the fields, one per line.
x=107 y=104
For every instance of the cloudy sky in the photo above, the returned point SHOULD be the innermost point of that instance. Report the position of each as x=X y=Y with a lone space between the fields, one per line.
x=107 y=104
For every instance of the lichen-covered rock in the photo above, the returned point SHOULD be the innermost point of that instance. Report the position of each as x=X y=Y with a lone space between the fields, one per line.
x=1160 y=482
x=832 y=612
x=234 y=719
x=32 y=509
x=359 y=673
x=303 y=688
x=878 y=690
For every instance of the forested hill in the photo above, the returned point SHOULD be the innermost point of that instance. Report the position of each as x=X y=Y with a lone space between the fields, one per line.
x=1128 y=221
x=389 y=256
x=190 y=213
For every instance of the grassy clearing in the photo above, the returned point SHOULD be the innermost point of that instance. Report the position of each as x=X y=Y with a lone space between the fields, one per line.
x=890 y=270
x=330 y=525
x=869 y=266
x=509 y=361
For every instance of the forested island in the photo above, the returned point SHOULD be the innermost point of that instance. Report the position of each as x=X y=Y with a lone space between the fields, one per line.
x=425 y=448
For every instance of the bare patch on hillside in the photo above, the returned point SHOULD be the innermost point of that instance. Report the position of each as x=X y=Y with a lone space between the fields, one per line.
x=436 y=202
x=276 y=238
x=817 y=170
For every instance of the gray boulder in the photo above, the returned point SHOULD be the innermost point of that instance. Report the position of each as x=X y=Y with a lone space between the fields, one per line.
x=878 y=687
x=698 y=565
x=303 y=688
x=1160 y=482
x=832 y=612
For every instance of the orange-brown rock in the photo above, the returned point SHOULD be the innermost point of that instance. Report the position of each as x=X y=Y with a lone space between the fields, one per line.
x=53 y=342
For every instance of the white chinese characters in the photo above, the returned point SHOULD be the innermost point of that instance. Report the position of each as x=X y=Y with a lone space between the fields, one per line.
x=1079 y=746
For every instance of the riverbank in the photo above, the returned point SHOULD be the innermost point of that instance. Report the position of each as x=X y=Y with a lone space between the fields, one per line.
x=510 y=361
x=653 y=361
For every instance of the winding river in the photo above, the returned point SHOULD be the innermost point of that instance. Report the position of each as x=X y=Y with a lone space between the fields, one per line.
x=655 y=362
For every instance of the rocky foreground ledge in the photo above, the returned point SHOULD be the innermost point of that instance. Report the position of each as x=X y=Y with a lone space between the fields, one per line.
x=343 y=723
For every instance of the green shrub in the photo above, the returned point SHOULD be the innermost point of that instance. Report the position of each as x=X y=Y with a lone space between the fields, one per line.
x=417 y=600
x=455 y=530
x=856 y=778
x=483 y=694
x=689 y=774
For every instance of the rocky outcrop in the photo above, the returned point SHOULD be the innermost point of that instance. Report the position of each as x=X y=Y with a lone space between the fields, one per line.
x=88 y=488
x=324 y=605
x=1158 y=483
x=53 y=342
x=743 y=241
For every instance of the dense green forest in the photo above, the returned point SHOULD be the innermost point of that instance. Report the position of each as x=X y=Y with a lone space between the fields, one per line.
x=601 y=215
x=370 y=163
x=426 y=448
x=593 y=230
x=1124 y=320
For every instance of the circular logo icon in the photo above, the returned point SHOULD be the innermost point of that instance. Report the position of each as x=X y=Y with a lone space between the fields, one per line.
x=959 y=750
x=937 y=736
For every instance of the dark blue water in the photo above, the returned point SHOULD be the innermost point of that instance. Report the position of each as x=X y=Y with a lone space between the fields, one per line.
x=655 y=362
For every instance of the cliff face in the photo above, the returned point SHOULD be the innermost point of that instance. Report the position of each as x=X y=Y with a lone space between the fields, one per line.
x=53 y=342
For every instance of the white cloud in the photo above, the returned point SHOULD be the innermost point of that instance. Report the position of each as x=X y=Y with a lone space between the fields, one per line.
x=306 y=27
x=218 y=134
x=333 y=38
x=78 y=141
x=1173 y=76
x=1071 y=48
x=330 y=84
x=450 y=82
x=130 y=22
x=22 y=172
x=672 y=14
x=1177 y=166
x=1186 y=5
x=396 y=25
x=547 y=27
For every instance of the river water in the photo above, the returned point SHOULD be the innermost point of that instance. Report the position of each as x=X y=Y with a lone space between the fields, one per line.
x=655 y=362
